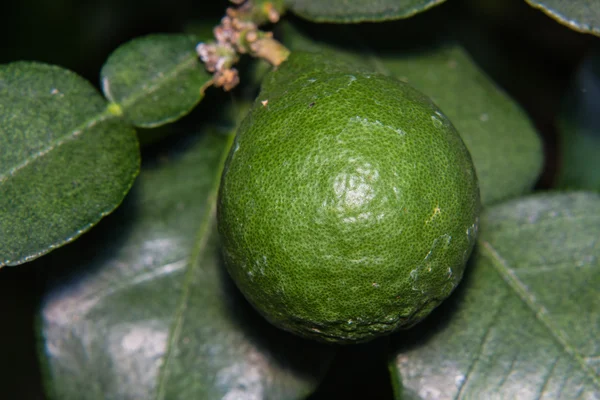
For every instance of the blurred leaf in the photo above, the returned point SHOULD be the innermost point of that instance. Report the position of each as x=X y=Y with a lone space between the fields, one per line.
x=155 y=79
x=580 y=15
x=579 y=128
x=152 y=314
x=358 y=10
x=505 y=148
x=66 y=161
x=525 y=322
x=504 y=145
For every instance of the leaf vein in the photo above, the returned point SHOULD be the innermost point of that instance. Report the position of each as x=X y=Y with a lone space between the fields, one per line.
x=510 y=277
x=484 y=340
x=547 y=377
x=520 y=229
x=509 y=370
x=57 y=143
x=157 y=83
x=201 y=240
x=534 y=270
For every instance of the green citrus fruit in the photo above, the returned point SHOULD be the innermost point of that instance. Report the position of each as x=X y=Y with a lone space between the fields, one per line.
x=348 y=205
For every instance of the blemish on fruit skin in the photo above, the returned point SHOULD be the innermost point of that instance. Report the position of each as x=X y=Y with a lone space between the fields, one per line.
x=375 y=285
x=264 y=103
x=437 y=119
x=472 y=230
x=440 y=243
x=436 y=211
x=365 y=122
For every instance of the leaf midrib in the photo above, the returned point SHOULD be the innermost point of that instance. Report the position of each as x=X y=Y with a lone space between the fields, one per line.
x=157 y=83
x=71 y=135
x=200 y=245
x=514 y=283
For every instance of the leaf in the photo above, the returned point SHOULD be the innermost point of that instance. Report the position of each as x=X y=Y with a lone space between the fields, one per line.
x=153 y=314
x=504 y=145
x=579 y=129
x=580 y=15
x=358 y=10
x=66 y=159
x=155 y=79
x=505 y=148
x=526 y=319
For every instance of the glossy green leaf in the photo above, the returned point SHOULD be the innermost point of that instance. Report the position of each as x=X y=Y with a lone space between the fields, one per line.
x=525 y=322
x=580 y=15
x=152 y=313
x=155 y=79
x=358 y=10
x=65 y=161
x=579 y=129
x=503 y=143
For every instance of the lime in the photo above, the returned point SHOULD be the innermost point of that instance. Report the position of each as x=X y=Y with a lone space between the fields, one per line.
x=348 y=205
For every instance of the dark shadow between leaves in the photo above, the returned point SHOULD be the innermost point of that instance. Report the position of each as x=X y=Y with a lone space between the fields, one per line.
x=19 y=296
x=83 y=257
x=358 y=372
x=214 y=110
x=412 y=35
x=305 y=357
x=421 y=333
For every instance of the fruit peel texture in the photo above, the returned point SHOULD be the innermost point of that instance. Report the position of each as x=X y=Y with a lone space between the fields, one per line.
x=348 y=205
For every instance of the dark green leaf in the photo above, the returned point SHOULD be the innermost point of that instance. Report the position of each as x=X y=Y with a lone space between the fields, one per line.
x=65 y=161
x=504 y=145
x=579 y=129
x=358 y=10
x=580 y=15
x=525 y=322
x=153 y=314
x=155 y=79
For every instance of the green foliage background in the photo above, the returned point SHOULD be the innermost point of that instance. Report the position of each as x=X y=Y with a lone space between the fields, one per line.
x=78 y=36
x=528 y=54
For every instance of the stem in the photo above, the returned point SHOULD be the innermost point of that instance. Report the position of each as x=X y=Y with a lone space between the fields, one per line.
x=237 y=34
x=269 y=49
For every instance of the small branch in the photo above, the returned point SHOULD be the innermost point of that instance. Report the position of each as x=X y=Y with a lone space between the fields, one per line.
x=237 y=34
x=262 y=45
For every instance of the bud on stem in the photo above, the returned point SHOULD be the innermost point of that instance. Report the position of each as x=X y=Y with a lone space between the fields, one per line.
x=238 y=33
